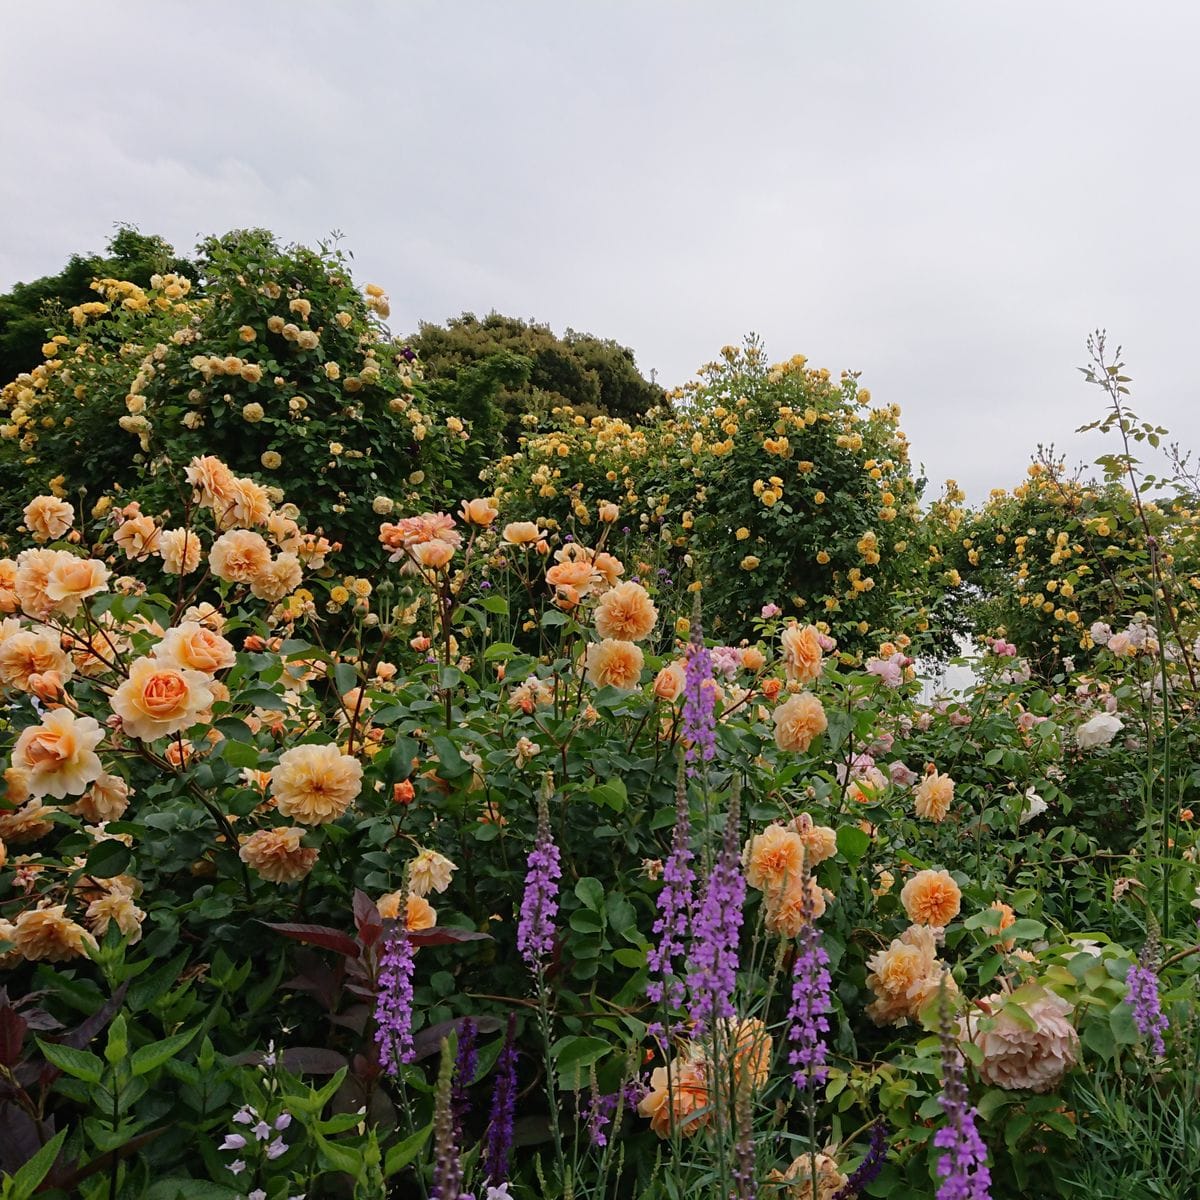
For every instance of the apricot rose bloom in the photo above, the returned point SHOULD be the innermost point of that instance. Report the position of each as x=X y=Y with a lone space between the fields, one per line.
x=521 y=533
x=931 y=898
x=613 y=663
x=933 y=797
x=49 y=935
x=796 y=1183
x=48 y=518
x=28 y=654
x=789 y=909
x=32 y=578
x=58 y=757
x=193 y=647
x=626 y=611
x=819 y=840
x=72 y=580
x=180 y=551
x=138 y=536
x=278 y=578
x=430 y=872
x=314 y=784
x=418 y=912
x=773 y=857
x=482 y=511
x=158 y=700
x=802 y=656
x=277 y=855
x=212 y=480
x=677 y=1094
x=798 y=721
x=668 y=683
x=106 y=800
x=905 y=976
x=239 y=556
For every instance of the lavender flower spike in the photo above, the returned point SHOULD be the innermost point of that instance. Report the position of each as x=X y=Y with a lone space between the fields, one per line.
x=870 y=1168
x=712 y=977
x=675 y=904
x=394 y=999
x=498 y=1138
x=539 y=907
x=811 y=1001
x=1142 y=996
x=963 y=1169
x=699 y=698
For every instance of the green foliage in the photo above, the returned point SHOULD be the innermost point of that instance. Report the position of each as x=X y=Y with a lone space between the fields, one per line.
x=518 y=368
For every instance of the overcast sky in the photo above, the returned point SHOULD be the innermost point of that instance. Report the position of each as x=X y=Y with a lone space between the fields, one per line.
x=945 y=196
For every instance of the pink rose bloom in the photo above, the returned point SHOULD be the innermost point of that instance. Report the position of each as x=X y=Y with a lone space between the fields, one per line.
x=888 y=669
x=1003 y=649
x=827 y=643
x=726 y=660
x=770 y=610
x=881 y=745
x=924 y=721
x=901 y=775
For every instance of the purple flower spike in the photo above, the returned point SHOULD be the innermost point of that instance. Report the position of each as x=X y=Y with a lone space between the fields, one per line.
x=676 y=902
x=394 y=1000
x=811 y=1001
x=1142 y=996
x=963 y=1169
x=712 y=977
x=699 y=700
x=539 y=906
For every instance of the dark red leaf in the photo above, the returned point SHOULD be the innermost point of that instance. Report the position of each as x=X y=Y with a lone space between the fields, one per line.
x=428 y=1041
x=12 y=1035
x=318 y=935
x=82 y=1034
x=445 y=935
x=367 y=920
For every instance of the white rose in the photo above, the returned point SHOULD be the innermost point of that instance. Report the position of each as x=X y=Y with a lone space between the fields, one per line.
x=1034 y=805
x=1099 y=731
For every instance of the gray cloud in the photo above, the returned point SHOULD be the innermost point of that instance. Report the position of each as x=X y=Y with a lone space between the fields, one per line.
x=944 y=196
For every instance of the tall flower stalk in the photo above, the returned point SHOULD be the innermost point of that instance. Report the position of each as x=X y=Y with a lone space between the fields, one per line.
x=394 y=997
x=1143 y=998
x=498 y=1137
x=713 y=965
x=699 y=699
x=963 y=1168
x=808 y=1018
x=447 y=1164
x=535 y=941
x=676 y=902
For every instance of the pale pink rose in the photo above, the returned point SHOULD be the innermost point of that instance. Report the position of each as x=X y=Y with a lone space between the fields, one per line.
x=1016 y=1056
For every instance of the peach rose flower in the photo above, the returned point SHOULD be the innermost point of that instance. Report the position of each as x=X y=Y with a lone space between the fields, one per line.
x=607 y=511
x=521 y=533
x=418 y=912
x=433 y=555
x=212 y=480
x=280 y=577
x=9 y=601
x=796 y=1183
x=180 y=551
x=753 y=659
x=801 y=652
x=931 y=898
x=788 y=909
x=27 y=823
x=314 y=784
x=106 y=800
x=59 y=756
x=773 y=857
x=933 y=797
x=72 y=580
x=277 y=855
x=28 y=654
x=158 y=700
x=668 y=683
x=1017 y=1056
x=430 y=872
x=247 y=503
x=138 y=536
x=574 y=579
x=48 y=518
x=482 y=511
x=116 y=904
x=613 y=663
x=626 y=612
x=609 y=567
x=239 y=556
x=33 y=575
x=819 y=840
x=677 y=1094
x=49 y=935
x=193 y=647
x=798 y=721
x=905 y=976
